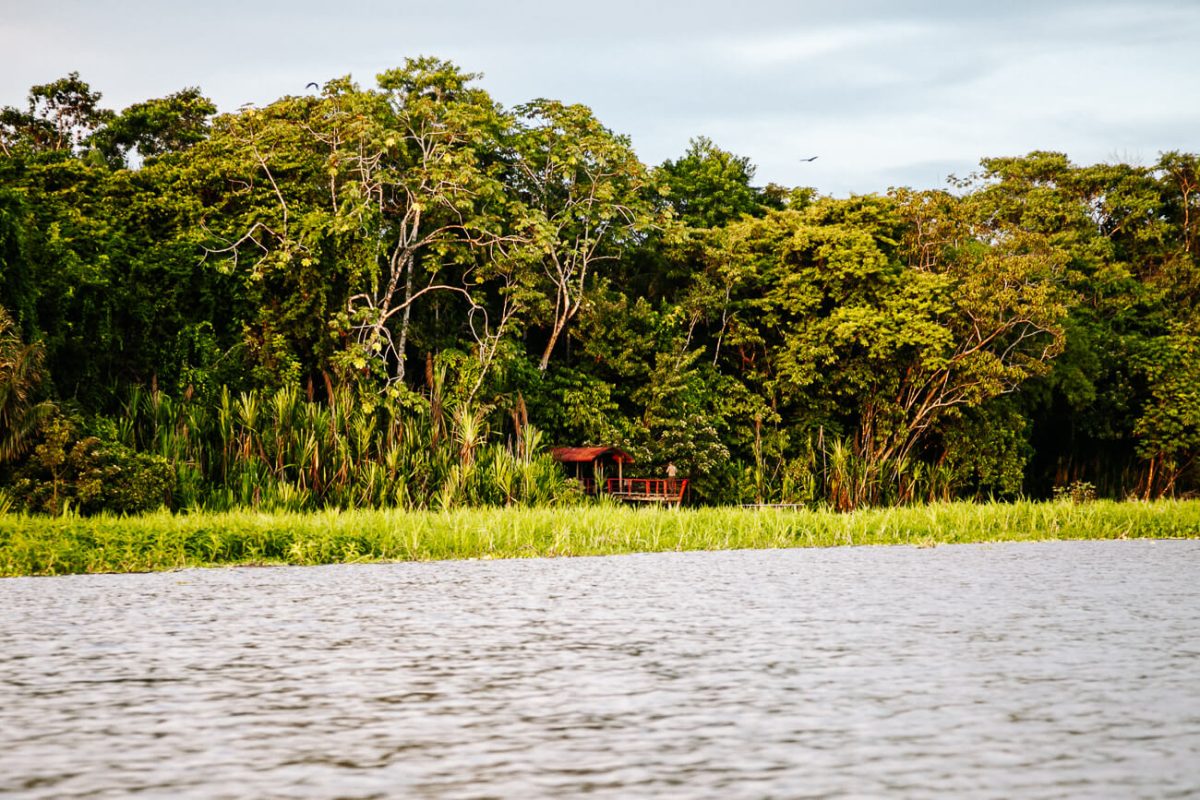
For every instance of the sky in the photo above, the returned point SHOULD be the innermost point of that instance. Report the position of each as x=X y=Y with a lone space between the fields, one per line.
x=899 y=93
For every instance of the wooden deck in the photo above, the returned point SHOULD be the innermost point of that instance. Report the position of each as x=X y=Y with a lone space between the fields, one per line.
x=591 y=461
x=647 y=490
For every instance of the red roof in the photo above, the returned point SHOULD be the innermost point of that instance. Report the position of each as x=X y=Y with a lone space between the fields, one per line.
x=576 y=455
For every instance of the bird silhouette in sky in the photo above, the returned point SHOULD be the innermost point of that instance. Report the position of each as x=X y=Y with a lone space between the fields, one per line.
x=312 y=84
x=814 y=158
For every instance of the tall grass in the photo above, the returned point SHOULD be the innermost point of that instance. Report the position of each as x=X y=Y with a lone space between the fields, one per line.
x=39 y=545
x=280 y=451
x=833 y=471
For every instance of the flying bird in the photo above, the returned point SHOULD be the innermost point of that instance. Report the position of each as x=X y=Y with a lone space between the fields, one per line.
x=313 y=84
x=814 y=158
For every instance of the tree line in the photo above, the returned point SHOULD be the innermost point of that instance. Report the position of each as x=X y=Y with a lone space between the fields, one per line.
x=401 y=294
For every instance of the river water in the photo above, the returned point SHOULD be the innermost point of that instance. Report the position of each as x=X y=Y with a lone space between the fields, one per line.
x=1065 y=669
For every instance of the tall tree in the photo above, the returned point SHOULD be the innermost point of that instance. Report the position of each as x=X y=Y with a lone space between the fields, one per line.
x=437 y=190
x=156 y=127
x=840 y=330
x=586 y=194
x=350 y=207
x=60 y=117
x=708 y=186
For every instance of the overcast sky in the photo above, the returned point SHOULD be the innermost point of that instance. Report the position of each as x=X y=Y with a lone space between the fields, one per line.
x=884 y=93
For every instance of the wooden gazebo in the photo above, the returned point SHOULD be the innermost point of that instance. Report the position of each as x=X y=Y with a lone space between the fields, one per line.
x=586 y=464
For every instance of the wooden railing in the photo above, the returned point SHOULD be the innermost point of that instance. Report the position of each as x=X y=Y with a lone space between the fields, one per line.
x=647 y=490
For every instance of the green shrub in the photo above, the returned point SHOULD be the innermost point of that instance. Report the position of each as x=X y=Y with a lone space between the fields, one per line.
x=90 y=475
x=109 y=476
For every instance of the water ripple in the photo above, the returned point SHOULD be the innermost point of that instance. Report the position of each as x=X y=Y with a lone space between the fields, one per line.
x=1038 y=670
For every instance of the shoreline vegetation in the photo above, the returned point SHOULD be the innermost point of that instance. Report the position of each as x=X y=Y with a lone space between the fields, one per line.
x=401 y=293
x=40 y=545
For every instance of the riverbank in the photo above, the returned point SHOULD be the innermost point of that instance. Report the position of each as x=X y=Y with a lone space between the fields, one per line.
x=161 y=541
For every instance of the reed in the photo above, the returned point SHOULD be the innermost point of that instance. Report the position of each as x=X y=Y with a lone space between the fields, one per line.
x=40 y=545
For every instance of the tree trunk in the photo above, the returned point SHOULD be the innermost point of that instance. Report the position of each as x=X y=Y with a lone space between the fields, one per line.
x=559 y=325
x=402 y=344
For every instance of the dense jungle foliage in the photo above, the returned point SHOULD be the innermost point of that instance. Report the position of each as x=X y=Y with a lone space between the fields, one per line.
x=401 y=295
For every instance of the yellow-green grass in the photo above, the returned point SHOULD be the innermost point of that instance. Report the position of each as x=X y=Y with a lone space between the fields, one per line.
x=36 y=545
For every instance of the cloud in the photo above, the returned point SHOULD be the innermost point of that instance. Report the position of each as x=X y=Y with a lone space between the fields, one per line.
x=808 y=45
x=884 y=91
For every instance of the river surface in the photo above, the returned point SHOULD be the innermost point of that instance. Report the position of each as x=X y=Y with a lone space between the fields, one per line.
x=1065 y=669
